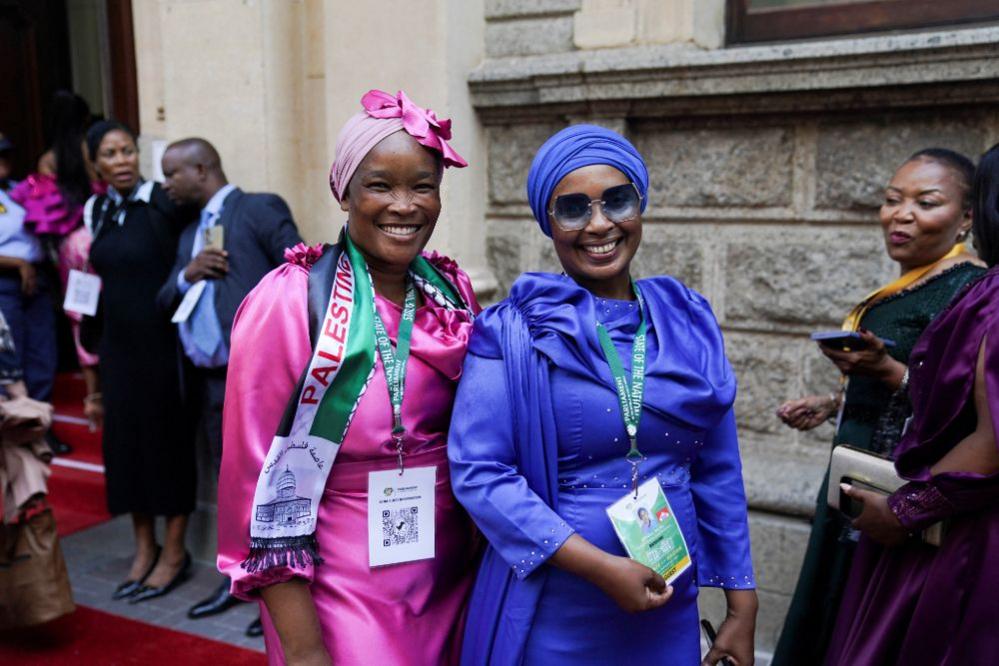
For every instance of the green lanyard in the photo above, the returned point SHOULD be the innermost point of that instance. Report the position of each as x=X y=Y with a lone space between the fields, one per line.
x=394 y=363
x=629 y=393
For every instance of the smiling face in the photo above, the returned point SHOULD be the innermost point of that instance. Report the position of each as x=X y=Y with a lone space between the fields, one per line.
x=598 y=256
x=924 y=213
x=118 y=161
x=393 y=201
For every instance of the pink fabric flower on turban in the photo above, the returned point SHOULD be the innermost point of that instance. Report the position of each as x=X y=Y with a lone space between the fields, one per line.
x=384 y=115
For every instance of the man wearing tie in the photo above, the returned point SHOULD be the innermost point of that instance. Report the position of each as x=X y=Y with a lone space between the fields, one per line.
x=238 y=239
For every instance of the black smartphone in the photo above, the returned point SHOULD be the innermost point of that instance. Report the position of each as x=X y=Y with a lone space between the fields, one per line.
x=844 y=340
x=709 y=636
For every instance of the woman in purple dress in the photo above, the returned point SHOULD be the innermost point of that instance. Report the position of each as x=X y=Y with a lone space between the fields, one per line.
x=909 y=602
x=539 y=442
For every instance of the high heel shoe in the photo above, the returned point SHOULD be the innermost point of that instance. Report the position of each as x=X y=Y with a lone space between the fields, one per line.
x=130 y=587
x=147 y=592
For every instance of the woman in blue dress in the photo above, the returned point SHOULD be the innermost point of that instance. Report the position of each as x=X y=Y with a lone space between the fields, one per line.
x=539 y=445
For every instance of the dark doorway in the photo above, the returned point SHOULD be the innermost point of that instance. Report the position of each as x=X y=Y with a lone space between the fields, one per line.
x=34 y=63
x=47 y=45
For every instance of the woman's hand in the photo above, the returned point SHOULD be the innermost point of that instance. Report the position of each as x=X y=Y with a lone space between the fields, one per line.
x=735 y=638
x=871 y=361
x=877 y=519
x=633 y=586
x=808 y=412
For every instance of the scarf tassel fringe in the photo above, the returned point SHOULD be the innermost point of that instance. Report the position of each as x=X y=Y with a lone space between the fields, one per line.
x=286 y=552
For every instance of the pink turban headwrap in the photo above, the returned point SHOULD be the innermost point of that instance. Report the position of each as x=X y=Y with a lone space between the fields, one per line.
x=384 y=115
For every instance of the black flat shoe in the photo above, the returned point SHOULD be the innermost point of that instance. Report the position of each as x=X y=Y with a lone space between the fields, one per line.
x=148 y=592
x=130 y=587
x=255 y=629
x=220 y=601
x=59 y=447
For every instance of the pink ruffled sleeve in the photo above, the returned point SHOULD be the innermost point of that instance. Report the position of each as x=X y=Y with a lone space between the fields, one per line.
x=46 y=210
x=270 y=348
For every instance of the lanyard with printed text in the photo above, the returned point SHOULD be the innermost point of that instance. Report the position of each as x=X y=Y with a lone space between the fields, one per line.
x=394 y=363
x=629 y=393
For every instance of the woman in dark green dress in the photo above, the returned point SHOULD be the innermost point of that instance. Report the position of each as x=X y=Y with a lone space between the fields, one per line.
x=925 y=216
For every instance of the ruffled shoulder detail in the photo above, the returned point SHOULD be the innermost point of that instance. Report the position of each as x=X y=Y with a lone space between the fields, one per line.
x=669 y=290
x=303 y=255
x=459 y=278
x=695 y=382
x=491 y=325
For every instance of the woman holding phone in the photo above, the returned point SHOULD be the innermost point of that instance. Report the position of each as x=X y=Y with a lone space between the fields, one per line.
x=545 y=442
x=925 y=216
x=936 y=604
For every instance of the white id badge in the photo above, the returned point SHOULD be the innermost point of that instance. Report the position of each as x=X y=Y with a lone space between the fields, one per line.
x=401 y=515
x=83 y=290
x=191 y=298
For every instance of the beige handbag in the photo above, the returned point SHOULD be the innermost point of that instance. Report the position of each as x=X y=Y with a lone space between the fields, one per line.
x=867 y=471
x=34 y=583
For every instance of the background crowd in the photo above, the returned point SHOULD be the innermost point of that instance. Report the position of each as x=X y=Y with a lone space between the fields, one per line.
x=152 y=384
x=177 y=259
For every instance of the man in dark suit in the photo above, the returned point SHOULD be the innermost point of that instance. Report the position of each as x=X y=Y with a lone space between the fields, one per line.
x=238 y=239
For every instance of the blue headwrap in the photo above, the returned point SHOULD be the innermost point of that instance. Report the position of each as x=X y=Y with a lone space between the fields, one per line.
x=575 y=147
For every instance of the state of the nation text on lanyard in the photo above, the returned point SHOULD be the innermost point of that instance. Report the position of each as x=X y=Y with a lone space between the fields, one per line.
x=643 y=519
x=401 y=525
x=629 y=392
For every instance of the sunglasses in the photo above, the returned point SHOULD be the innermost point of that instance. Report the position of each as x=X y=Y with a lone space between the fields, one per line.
x=620 y=203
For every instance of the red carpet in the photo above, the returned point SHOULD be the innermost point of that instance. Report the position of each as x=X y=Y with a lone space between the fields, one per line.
x=76 y=487
x=90 y=636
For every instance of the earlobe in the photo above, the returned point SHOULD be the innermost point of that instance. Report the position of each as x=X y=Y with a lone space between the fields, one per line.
x=344 y=204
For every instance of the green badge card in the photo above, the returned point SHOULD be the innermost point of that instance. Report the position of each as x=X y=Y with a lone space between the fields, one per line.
x=649 y=532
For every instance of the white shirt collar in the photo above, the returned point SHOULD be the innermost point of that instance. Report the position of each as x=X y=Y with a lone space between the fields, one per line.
x=214 y=204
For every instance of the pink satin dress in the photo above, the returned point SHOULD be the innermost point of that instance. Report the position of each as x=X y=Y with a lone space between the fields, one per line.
x=410 y=613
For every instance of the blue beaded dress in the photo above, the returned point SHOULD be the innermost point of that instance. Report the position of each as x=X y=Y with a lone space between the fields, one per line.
x=537 y=449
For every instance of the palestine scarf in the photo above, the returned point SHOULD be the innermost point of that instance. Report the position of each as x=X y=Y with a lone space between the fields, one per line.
x=315 y=422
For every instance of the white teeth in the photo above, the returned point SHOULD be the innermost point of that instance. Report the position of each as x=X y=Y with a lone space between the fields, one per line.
x=601 y=249
x=400 y=230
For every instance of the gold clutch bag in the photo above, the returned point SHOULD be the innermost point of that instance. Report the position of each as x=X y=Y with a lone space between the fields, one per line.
x=867 y=471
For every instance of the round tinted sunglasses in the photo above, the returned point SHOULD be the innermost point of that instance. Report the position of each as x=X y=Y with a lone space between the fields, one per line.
x=620 y=203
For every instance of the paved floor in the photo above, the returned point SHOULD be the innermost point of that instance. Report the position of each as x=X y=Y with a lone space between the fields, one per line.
x=98 y=559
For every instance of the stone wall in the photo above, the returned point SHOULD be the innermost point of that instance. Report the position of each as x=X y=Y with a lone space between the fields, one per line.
x=763 y=197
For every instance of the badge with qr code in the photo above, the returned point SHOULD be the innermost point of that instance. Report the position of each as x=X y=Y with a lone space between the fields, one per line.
x=83 y=291
x=401 y=515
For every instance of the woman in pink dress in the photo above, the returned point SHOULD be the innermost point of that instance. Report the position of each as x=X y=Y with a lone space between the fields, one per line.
x=308 y=383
